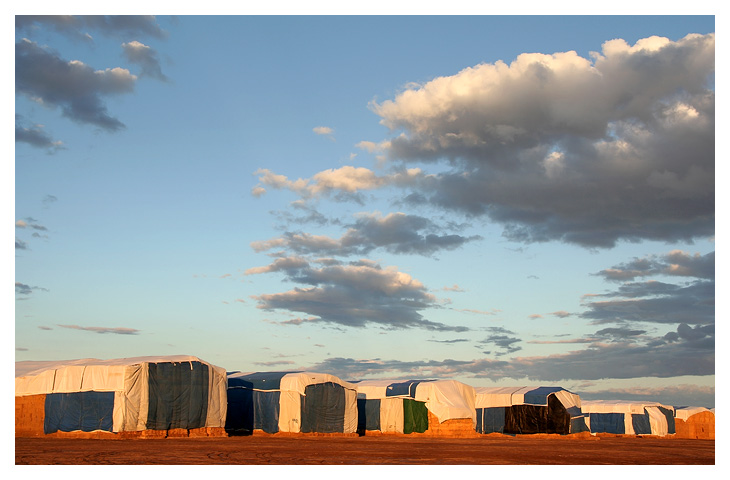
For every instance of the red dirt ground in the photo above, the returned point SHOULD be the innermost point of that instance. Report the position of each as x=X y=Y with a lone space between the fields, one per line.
x=368 y=450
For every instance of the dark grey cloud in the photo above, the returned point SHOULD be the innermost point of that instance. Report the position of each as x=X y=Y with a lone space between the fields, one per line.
x=675 y=263
x=23 y=289
x=103 y=330
x=656 y=302
x=621 y=333
x=355 y=294
x=35 y=135
x=75 y=26
x=560 y=147
x=397 y=233
x=503 y=339
x=615 y=360
x=20 y=244
x=456 y=340
x=30 y=223
x=146 y=57
x=75 y=88
x=48 y=200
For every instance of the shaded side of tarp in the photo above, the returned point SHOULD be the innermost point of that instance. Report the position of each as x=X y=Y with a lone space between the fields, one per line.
x=323 y=408
x=178 y=395
x=525 y=419
x=607 y=423
x=558 y=418
x=578 y=424
x=415 y=416
x=85 y=411
x=250 y=410
x=539 y=395
x=258 y=380
x=490 y=420
x=368 y=414
x=239 y=416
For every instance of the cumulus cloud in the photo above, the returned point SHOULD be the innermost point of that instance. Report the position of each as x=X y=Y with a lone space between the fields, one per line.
x=356 y=294
x=590 y=151
x=20 y=244
x=72 y=86
x=102 y=330
x=396 y=233
x=146 y=57
x=348 y=180
x=35 y=135
x=74 y=26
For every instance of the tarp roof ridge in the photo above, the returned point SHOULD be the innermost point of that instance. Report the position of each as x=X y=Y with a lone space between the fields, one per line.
x=47 y=365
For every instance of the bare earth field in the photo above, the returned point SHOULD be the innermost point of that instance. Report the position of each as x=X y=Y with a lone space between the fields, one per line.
x=367 y=450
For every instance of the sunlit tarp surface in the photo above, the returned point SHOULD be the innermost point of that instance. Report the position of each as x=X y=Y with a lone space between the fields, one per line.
x=527 y=410
x=629 y=417
x=156 y=393
x=291 y=402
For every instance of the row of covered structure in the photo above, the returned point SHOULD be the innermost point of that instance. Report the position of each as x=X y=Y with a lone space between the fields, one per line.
x=186 y=396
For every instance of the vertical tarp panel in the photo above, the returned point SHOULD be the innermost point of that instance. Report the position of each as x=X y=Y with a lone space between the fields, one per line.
x=239 y=416
x=350 y=420
x=178 y=395
x=671 y=428
x=391 y=415
x=368 y=414
x=558 y=419
x=607 y=423
x=266 y=411
x=578 y=424
x=323 y=408
x=290 y=412
x=490 y=420
x=217 y=397
x=85 y=411
x=415 y=416
x=135 y=400
x=641 y=424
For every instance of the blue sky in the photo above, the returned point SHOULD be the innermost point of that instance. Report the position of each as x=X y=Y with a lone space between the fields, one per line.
x=508 y=200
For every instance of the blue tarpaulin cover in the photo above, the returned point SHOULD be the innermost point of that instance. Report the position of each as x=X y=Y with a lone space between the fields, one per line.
x=178 y=395
x=407 y=388
x=539 y=395
x=608 y=423
x=258 y=380
x=641 y=423
x=368 y=414
x=490 y=420
x=85 y=411
x=250 y=409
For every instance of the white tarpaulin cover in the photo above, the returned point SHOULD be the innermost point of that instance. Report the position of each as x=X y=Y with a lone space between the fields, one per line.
x=658 y=421
x=683 y=413
x=447 y=399
x=292 y=386
x=126 y=377
x=489 y=397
